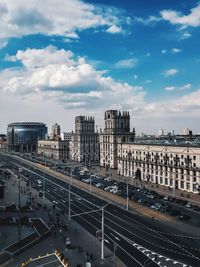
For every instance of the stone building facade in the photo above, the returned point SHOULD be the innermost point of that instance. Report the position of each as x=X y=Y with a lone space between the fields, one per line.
x=55 y=131
x=117 y=125
x=84 y=144
x=170 y=165
x=55 y=149
x=66 y=136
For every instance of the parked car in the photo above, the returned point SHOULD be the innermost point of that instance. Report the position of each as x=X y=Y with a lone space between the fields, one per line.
x=188 y=205
x=184 y=217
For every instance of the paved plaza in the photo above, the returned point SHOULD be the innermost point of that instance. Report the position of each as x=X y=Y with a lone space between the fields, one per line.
x=80 y=238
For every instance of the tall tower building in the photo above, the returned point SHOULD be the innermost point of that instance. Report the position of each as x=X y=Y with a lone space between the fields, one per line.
x=187 y=132
x=84 y=144
x=117 y=130
x=161 y=132
x=55 y=132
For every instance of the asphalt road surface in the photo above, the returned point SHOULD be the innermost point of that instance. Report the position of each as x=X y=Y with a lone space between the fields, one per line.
x=133 y=236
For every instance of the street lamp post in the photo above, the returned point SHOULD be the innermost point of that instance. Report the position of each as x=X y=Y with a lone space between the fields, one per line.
x=102 y=225
x=127 y=198
x=44 y=180
x=19 y=204
x=69 y=199
x=90 y=175
x=102 y=232
x=69 y=203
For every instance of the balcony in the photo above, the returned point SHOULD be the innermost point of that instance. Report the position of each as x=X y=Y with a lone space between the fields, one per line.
x=166 y=163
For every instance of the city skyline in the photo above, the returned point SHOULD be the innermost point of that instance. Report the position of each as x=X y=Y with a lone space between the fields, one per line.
x=86 y=57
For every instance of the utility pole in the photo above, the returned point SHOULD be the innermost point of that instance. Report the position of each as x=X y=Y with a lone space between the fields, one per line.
x=69 y=203
x=127 y=198
x=69 y=199
x=90 y=175
x=19 y=204
x=44 y=180
x=102 y=234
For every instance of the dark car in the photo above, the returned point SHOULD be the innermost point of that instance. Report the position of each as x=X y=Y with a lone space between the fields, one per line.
x=184 y=217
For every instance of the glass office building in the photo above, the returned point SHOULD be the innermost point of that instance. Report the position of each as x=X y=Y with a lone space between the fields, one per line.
x=23 y=136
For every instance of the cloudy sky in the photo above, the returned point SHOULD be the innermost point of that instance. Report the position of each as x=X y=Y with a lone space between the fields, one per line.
x=63 y=58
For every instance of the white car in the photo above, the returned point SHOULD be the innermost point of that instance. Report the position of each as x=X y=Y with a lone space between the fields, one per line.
x=55 y=202
x=188 y=205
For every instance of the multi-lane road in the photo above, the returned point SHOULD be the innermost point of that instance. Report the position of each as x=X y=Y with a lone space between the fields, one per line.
x=136 y=238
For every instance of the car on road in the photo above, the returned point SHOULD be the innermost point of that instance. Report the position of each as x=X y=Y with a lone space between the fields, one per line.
x=55 y=202
x=68 y=241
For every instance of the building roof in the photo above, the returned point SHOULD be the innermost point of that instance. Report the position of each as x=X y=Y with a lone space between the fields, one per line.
x=26 y=123
x=165 y=143
x=51 y=260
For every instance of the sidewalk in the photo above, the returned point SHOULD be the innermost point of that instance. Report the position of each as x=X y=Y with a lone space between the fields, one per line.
x=79 y=236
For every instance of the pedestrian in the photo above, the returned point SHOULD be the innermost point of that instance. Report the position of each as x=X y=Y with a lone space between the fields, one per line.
x=87 y=255
x=91 y=257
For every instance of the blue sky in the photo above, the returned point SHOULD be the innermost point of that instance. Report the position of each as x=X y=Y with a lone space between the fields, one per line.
x=69 y=57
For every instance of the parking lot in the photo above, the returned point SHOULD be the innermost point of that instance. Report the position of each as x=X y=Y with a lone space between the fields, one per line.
x=179 y=208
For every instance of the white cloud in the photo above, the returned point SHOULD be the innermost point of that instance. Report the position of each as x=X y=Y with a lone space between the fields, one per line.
x=170 y=88
x=186 y=86
x=60 y=76
x=164 y=51
x=61 y=18
x=114 y=29
x=46 y=91
x=170 y=72
x=126 y=63
x=151 y=20
x=183 y=87
x=42 y=57
x=174 y=17
x=176 y=50
x=185 y=35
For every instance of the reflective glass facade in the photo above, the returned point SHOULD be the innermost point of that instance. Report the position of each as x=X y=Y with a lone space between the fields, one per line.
x=23 y=136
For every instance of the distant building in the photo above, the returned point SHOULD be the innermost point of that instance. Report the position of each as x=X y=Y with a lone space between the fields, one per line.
x=84 y=144
x=3 y=142
x=66 y=136
x=55 y=149
x=55 y=131
x=160 y=132
x=187 y=132
x=117 y=129
x=23 y=136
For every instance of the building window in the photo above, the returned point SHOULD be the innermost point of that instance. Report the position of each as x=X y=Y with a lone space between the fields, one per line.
x=188 y=186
